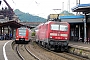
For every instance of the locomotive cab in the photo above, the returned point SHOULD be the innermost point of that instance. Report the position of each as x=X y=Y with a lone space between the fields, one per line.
x=22 y=35
x=59 y=36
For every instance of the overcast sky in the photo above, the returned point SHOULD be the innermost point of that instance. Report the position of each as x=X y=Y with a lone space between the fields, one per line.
x=43 y=8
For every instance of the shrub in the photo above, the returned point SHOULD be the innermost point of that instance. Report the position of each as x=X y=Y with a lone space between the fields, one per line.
x=33 y=33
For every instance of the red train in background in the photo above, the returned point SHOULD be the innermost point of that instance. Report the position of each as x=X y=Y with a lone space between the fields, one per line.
x=53 y=35
x=23 y=34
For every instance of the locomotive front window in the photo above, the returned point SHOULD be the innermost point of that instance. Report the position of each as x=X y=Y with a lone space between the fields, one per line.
x=22 y=32
x=54 y=27
x=63 y=27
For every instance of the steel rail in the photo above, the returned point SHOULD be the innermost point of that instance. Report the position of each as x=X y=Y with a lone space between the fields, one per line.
x=17 y=50
x=31 y=53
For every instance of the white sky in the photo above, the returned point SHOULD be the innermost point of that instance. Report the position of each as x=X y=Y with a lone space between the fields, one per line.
x=43 y=8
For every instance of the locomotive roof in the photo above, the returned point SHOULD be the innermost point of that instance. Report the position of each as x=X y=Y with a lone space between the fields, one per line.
x=40 y=24
x=49 y=22
x=23 y=28
x=54 y=21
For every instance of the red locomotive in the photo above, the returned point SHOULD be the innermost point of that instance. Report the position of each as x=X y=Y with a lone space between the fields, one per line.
x=53 y=35
x=23 y=34
x=37 y=31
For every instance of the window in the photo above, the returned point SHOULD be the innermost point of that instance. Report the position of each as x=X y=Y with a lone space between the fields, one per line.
x=54 y=27
x=22 y=32
x=59 y=27
x=63 y=28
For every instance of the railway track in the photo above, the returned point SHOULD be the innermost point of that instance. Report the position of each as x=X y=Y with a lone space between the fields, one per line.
x=23 y=49
x=32 y=51
x=23 y=52
x=66 y=55
x=42 y=53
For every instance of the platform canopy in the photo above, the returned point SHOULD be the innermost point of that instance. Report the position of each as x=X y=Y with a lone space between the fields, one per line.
x=13 y=24
x=85 y=8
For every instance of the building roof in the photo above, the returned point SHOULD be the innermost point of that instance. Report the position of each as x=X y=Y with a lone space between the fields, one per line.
x=85 y=8
x=71 y=17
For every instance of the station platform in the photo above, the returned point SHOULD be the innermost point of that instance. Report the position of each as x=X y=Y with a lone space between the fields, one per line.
x=80 y=45
x=80 y=48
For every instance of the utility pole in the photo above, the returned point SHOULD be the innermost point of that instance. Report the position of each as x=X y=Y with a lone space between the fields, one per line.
x=69 y=5
x=62 y=6
x=0 y=2
x=77 y=3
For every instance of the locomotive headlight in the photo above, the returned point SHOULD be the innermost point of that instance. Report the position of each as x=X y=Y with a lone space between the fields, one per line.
x=17 y=36
x=50 y=36
x=17 y=39
x=65 y=38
